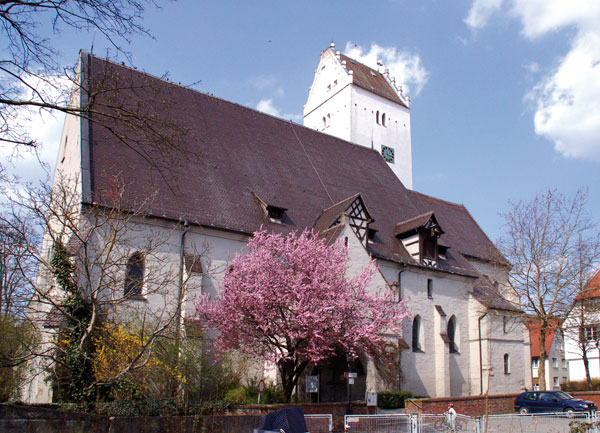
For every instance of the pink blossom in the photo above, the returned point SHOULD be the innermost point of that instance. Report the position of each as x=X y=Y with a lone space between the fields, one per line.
x=288 y=300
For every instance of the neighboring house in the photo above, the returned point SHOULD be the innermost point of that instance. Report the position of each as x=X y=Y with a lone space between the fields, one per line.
x=582 y=332
x=556 y=369
x=239 y=170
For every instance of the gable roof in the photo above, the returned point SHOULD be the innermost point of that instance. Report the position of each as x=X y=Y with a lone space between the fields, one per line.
x=414 y=223
x=534 y=336
x=232 y=154
x=371 y=80
x=592 y=289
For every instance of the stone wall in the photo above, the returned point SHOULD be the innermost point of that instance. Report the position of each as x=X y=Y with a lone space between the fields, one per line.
x=472 y=406
x=48 y=419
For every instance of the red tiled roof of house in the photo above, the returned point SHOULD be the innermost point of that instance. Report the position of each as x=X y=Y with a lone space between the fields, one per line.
x=592 y=289
x=534 y=335
x=231 y=154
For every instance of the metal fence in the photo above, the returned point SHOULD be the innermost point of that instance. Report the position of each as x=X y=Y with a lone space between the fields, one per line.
x=557 y=422
x=506 y=423
x=319 y=423
x=392 y=423
x=436 y=423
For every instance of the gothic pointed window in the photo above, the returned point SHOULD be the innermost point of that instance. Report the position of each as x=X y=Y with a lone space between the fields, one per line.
x=506 y=363
x=134 y=275
x=451 y=332
x=416 y=334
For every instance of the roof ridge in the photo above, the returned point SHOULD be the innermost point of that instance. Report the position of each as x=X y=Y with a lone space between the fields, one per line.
x=210 y=95
x=438 y=199
x=341 y=201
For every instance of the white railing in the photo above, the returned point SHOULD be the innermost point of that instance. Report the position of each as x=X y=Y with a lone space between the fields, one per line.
x=319 y=423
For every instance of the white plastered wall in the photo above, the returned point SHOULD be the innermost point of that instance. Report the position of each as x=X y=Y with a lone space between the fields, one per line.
x=336 y=106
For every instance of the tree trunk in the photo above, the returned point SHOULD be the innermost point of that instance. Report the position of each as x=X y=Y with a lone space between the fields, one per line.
x=542 y=363
x=290 y=371
x=586 y=365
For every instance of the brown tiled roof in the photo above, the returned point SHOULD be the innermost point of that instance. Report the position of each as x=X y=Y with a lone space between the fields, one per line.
x=413 y=223
x=371 y=80
x=485 y=292
x=462 y=232
x=332 y=213
x=233 y=154
x=592 y=289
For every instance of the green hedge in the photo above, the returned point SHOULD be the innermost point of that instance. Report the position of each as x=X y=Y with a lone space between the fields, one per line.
x=392 y=399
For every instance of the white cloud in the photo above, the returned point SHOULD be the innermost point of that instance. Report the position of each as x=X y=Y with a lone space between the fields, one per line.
x=44 y=127
x=262 y=82
x=406 y=67
x=267 y=106
x=480 y=12
x=567 y=100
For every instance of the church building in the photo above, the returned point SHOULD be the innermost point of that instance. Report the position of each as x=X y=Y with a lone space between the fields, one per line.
x=346 y=174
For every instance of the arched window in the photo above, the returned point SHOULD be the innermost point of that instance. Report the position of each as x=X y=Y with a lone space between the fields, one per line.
x=377 y=117
x=416 y=331
x=328 y=120
x=134 y=275
x=506 y=363
x=451 y=332
x=383 y=119
x=324 y=121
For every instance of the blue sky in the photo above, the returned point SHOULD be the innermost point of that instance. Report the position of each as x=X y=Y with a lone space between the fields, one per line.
x=505 y=94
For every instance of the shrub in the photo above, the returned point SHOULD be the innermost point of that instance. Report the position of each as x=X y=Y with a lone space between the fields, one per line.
x=392 y=399
x=249 y=394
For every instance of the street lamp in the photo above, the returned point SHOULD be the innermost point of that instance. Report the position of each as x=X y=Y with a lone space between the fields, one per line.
x=350 y=378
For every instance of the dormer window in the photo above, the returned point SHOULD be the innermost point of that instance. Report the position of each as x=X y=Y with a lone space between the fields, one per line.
x=420 y=236
x=275 y=214
x=371 y=234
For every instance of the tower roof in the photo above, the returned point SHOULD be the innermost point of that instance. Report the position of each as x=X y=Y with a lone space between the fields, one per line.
x=373 y=81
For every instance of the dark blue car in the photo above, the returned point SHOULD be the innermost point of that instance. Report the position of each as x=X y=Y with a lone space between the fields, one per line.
x=551 y=401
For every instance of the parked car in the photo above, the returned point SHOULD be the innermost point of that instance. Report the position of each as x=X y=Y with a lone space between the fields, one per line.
x=551 y=401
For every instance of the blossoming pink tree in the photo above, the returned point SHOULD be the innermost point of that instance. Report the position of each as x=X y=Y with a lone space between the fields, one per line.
x=288 y=300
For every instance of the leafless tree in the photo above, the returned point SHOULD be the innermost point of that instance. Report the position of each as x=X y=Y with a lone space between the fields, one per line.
x=133 y=108
x=545 y=240
x=122 y=264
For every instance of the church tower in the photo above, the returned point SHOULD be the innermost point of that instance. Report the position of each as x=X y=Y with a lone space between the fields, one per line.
x=356 y=103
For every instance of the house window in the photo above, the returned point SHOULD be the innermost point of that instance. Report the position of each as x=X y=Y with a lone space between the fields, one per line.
x=383 y=119
x=535 y=362
x=564 y=363
x=591 y=332
x=555 y=382
x=134 y=275
x=430 y=288
x=451 y=332
x=554 y=363
x=377 y=117
x=416 y=330
x=505 y=324
x=506 y=363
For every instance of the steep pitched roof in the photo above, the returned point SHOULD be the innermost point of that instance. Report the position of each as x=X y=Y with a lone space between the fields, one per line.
x=465 y=234
x=534 y=335
x=371 y=80
x=485 y=292
x=592 y=289
x=231 y=155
